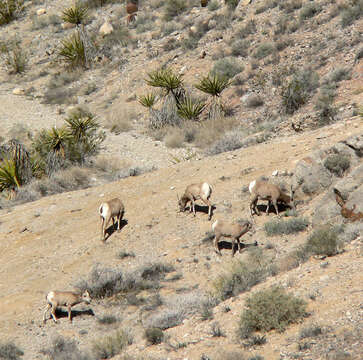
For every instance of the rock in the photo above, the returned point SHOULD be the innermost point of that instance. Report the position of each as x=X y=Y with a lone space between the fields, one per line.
x=18 y=91
x=41 y=11
x=275 y=173
x=106 y=28
x=67 y=26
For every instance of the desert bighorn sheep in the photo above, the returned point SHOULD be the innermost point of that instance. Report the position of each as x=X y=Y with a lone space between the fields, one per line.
x=64 y=298
x=111 y=209
x=263 y=190
x=194 y=192
x=231 y=230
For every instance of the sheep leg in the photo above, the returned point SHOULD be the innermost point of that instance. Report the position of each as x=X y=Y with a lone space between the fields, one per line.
x=276 y=208
x=268 y=207
x=207 y=202
x=253 y=205
x=45 y=312
x=193 y=206
x=119 y=222
x=233 y=248
x=105 y=224
x=54 y=307
x=70 y=313
x=216 y=239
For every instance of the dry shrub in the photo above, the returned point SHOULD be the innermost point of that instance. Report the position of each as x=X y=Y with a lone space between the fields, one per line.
x=213 y=129
x=120 y=119
x=174 y=138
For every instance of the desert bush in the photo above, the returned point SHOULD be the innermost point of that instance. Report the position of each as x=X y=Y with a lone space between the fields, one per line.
x=270 y=4
x=124 y=254
x=15 y=59
x=120 y=119
x=351 y=13
x=232 y=4
x=44 y=21
x=10 y=10
x=264 y=50
x=64 y=349
x=229 y=142
x=337 y=164
x=174 y=138
x=216 y=330
x=246 y=30
x=290 y=226
x=241 y=277
x=9 y=351
x=290 y=6
x=154 y=336
x=337 y=75
x=309 y=10
x=213 y=5
x=110 y=346
x=324 y=241
x=310 y=331
x=299 y=90
x=107 y=320
x=144 y=22
x=173 y=8
x=254 y=100
x=359 y=54
x=240 y=47
x=270 y=309
x=72 y=52
x=227 y=68
x=255 y=340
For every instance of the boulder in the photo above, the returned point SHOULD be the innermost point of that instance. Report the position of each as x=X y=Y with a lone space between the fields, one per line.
x=106 y=28
x=41 y=12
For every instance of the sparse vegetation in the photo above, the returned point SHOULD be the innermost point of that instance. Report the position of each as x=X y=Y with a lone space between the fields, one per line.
x=270 y=309
x=9 y=351
x=10 y=10
x=216 y=330
x=173 y=8
x=107 y=320
x=227 y=68
x=154 y=335
x=232 y=4
x=15 y=59
x=64 y=349
x=310 y=331
x=337 y=164
x=110 y=346
x=72 y=51
x=263 y=50
x=309 y=10
x=286 y=227
x=323 y=241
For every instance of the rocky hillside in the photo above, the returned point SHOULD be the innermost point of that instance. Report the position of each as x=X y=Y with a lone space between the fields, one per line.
x=291 y=114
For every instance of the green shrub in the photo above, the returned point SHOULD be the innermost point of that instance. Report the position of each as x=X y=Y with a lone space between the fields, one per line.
x=173 y=8
x=285 y=227
x=110 y=346
x=227 y=68
x=351 y=13
x=246 y=30
x=232 y=4
x=264 y=50
x=107 y=320
x=72 y=51
x=10 y=10
x=240 y=48
x=299 y=90
x=337 y=164
x=16 y=60
x=323 y=241
x=310 y=331
x=64 y=349
x=309 y=10
x=9 y=351
x=154 y=336
x=9 y=175
x=270 y=309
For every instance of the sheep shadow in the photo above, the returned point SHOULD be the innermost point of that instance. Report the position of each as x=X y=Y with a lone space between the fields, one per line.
x=281 y=206
x=113 y=228
x=227 y=245
x=203 y=209
x=60 y=313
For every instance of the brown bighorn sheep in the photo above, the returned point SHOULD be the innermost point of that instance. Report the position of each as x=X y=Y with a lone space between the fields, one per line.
x=109 y=210
x=64 y=298
x=230 y=230
x=263 y=190
x=194 y=192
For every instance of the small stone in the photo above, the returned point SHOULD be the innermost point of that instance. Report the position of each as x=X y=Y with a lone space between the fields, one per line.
x=41 y=11
x=106 y=28
x=67 y=26
x=18 y=91
x=172 y=187
x=275 y=173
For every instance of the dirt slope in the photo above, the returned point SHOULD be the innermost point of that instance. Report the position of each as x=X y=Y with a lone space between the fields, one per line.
x=51 y=243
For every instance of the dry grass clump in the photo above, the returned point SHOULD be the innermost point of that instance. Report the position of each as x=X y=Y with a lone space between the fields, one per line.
x=9 y=351
x=290 y=226
x=174 y=138
x=337 y=164
x=120 y=119
x=62 y=349
x=154 y=336
x=324 y=241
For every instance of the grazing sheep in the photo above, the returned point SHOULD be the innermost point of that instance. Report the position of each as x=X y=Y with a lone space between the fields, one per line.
x=194 y=192
x=231 y=230
x=64 y=298
x=263 y=190
x=109 y=210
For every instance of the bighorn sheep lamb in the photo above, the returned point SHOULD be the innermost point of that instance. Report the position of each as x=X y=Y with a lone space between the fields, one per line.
x=231 y=230
x=194 y=192
x=263 y=190
x=64 y=298
x=111 y=209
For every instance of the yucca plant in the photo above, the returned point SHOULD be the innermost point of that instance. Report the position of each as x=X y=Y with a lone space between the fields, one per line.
x=55 y=140
x=9 y=9
x=190 y=109
x=148 y=100
x=80 y=124
x=72 y=51
x=9 y=175
x=168 y=81
x=76 y=14
x=213 y=84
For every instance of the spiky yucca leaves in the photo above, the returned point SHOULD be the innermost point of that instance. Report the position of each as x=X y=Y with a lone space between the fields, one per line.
x=9 y=175
x=80 y=124
x=72 y=51
x=190 y=109
x=53 y=140
x=148 y=100
x=213 y=84
x=9 y=10
x=76 y=14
